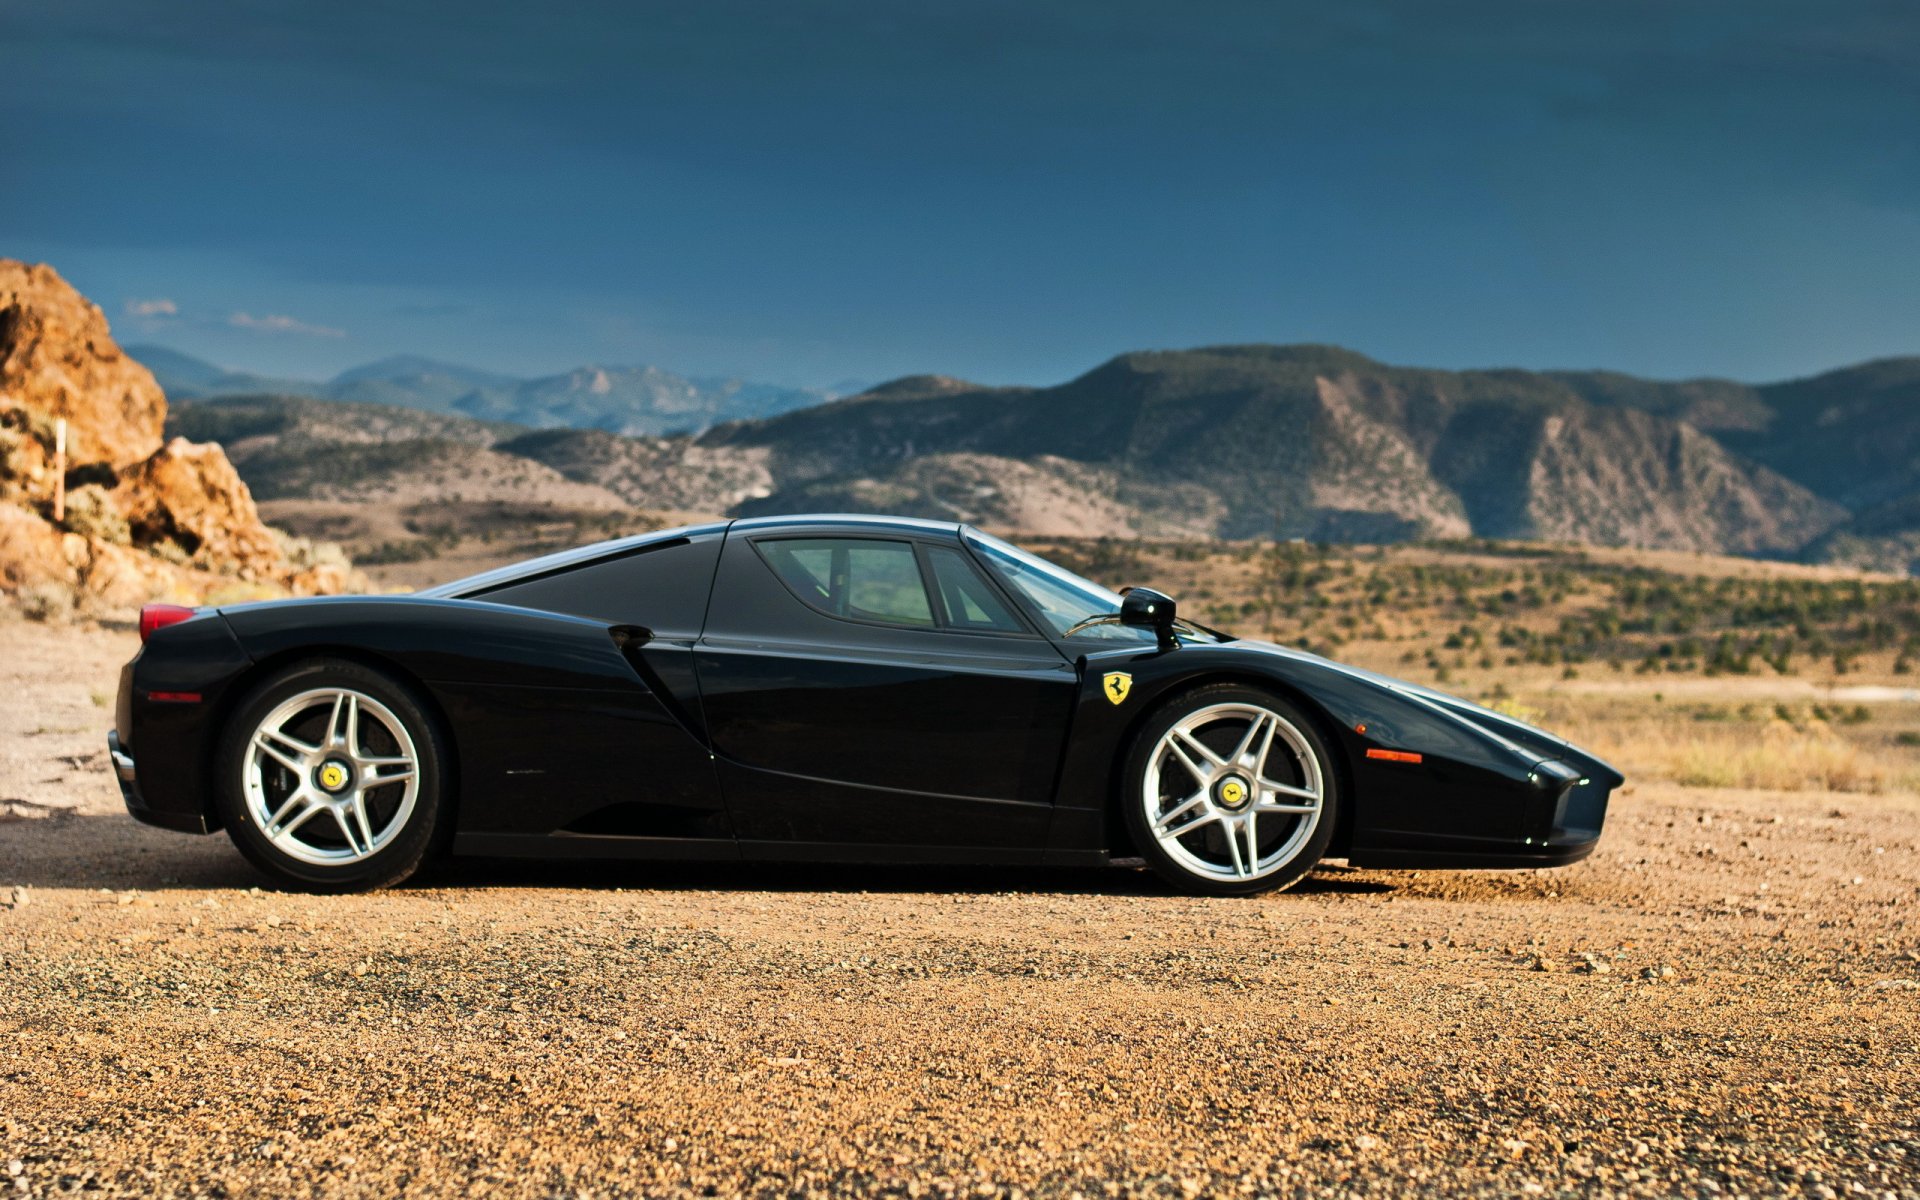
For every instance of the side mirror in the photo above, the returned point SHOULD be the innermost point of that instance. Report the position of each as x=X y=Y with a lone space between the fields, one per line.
x=1148 y=609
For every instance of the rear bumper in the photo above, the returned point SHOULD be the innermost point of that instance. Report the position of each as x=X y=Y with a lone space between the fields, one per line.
x=127 y=772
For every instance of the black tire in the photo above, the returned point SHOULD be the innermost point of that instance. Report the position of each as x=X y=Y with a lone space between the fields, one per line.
x=1298 y=757
x=246 y=781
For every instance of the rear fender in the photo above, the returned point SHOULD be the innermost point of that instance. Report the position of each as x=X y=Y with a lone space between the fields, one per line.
x=442 y=641
x=549 y=713
x=166 y=716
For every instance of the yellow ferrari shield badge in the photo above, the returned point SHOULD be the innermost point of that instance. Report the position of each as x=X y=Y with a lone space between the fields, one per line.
x=333 y=776
x=1116 y=684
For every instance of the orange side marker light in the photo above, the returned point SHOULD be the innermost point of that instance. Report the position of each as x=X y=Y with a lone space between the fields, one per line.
x=1405 y=756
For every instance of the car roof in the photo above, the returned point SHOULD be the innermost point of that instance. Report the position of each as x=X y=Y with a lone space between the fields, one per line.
x=580 y=556
x=861 y=521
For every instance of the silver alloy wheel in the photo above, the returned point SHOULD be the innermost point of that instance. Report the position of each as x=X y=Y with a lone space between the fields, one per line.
x=1217 y=797
x=315 y=788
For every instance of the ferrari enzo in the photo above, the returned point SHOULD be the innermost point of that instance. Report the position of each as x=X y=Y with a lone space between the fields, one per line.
x=821 y=689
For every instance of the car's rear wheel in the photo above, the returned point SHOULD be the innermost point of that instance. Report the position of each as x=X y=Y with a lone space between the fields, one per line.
x=1230 y=791
x=330 y=777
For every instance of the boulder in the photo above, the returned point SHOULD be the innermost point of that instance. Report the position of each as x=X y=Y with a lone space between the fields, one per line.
x=32 y=551
x=143 y=520
x=58 y=359
x=189 y=495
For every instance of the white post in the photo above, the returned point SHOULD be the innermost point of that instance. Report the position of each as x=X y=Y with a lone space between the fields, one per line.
x=60 y=472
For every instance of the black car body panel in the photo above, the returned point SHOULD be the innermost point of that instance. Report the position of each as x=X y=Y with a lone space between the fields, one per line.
x=834 y=731
x=676 y=695
x=1482 y=791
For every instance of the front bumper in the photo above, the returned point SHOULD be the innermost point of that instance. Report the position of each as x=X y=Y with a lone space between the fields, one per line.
x=125 y=770
x=1562 y=811
x=1481 y=858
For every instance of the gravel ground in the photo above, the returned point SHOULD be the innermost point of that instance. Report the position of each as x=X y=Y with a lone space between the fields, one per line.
x=1724 y=1000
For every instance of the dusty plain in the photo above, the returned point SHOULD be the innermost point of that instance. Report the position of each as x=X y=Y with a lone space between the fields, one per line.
x=1724 y=1000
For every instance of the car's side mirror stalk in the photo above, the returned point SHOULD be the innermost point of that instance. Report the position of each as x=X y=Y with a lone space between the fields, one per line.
x=1147 y=609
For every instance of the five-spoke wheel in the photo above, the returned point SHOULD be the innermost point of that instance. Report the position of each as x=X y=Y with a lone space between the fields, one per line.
x=1230 y=792
x=330 y=774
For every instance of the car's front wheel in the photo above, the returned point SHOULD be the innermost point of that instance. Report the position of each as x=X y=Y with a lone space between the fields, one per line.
x=330 y=777
x=1230 y=791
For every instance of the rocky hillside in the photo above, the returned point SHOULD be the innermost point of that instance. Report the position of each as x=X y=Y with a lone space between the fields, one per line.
x=1322 y=443
x=299 y=448
x=1236 y=441
x=145 y=516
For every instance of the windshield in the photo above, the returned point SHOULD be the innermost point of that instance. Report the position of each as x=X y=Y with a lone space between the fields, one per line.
x=1063 y=598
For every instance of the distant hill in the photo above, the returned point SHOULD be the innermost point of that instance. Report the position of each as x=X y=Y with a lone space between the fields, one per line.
x=1320 y=442
x=300 y=448
x=184 y=377
x=1239 y=441
x=410 y=381
x=1852 y=435
x=633 y=400
x=627 y=400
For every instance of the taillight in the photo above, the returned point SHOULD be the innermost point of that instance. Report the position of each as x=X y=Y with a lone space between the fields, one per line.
x=155 y=617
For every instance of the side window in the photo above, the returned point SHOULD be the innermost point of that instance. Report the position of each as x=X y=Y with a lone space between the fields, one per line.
x=970 y=601
x=858 y=578
x=663 y=587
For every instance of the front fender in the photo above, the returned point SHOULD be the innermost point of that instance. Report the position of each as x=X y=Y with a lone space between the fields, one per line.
x=1482 y=783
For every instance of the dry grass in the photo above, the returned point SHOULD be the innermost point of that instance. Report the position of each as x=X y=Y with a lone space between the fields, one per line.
x=1781 y=759
x=1780 y=763
x=1768 y=747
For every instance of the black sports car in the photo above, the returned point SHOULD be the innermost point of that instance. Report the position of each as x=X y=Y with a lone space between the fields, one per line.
x=835 y=688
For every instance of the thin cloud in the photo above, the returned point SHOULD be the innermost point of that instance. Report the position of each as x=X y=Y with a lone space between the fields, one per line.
x=159 y=306
x=279 y=324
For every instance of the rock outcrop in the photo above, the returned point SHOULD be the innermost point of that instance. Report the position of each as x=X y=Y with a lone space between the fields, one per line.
x=144 y=519
x=188 y=494
x=58 y=358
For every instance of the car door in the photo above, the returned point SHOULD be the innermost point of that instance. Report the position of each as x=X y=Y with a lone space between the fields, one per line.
x=876 y=693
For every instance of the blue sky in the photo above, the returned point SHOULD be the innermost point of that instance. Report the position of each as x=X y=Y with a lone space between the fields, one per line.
x=1009 y=192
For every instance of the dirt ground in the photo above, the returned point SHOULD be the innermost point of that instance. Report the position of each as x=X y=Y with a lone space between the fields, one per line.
x=1725 y=1000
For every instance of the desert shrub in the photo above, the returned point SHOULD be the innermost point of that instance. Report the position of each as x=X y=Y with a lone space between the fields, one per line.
x=1782 y=759
x=305 y=553
x=27 y=421
x=92 y=513
x=49 y=602
x=242 y=592
x=1518 y=711
x=387 y=553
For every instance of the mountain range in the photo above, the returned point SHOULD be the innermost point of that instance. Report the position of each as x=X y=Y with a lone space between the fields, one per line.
x=1237 y=441
x=627 y=400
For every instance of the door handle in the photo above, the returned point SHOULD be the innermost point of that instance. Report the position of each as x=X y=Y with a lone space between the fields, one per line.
x=629 y=637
